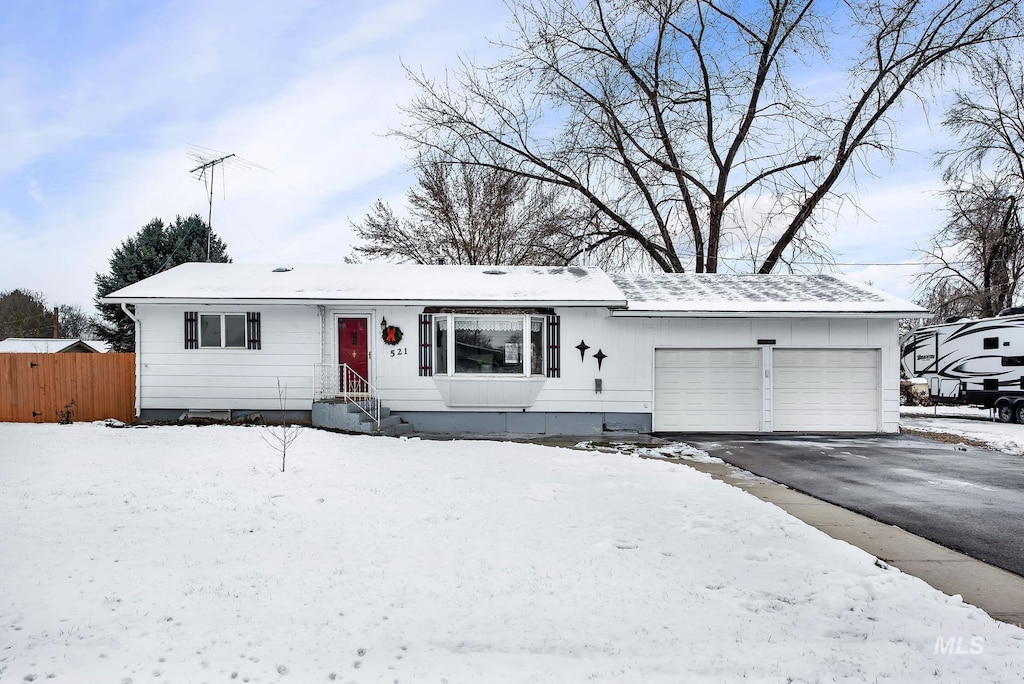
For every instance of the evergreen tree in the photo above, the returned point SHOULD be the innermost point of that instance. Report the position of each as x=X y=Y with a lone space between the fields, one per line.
x=24 y=313
x=153 y=249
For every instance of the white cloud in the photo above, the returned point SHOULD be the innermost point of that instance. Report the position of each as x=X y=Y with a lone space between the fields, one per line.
x=36 y=193
x=96 y=146
x=279 y=88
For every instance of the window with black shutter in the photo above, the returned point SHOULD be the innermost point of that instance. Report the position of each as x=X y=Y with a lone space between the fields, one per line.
x=425 y=344
x=252 y=330
x=554 y=347
x=191 y=330
x=502 y=342
x=222 y=330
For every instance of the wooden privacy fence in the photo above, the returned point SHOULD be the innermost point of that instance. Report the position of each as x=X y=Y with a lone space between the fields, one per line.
x=42 y=388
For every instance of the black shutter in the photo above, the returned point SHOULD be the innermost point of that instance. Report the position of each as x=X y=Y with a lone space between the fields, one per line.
x=191 y=330
x=426 y=346
x=252 y=330
x=554 y=347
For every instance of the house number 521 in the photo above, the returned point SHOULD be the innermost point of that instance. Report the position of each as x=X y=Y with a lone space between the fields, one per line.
x=399 y=352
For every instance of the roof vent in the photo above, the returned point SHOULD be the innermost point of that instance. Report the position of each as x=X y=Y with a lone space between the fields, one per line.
x=282 y=269
x=494 y=271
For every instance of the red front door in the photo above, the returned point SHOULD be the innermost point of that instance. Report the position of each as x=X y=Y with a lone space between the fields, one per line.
x=352 y=348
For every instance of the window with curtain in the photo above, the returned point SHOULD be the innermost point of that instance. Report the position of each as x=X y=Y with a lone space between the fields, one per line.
x=489 y=344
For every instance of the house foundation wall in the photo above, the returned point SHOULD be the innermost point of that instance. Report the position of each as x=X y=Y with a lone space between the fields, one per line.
x=519 y=422
x=273 y=417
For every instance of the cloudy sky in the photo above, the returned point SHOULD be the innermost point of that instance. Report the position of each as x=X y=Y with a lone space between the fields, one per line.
x=102 y=102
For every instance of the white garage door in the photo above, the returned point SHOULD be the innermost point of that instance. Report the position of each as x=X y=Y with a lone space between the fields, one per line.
x=828 y=390
x=713 y=390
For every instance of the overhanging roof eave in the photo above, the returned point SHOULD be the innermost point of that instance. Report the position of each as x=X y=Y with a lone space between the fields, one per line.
x=326 y=301
x=775 y=313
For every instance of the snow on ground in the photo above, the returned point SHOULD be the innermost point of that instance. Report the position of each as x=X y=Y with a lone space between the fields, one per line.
x=671 y=450
x=965 y=421
x=183 y=554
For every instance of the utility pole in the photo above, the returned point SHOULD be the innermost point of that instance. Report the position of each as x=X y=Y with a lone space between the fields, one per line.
x=208 y=180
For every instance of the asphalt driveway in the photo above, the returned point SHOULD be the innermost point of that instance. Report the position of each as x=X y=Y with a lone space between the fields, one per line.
x=969 y=500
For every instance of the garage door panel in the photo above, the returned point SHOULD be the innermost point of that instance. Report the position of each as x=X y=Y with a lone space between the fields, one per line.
x=718 y=358
x=847 y=358
x=714 y=390
x=866 y=378
x=825 y=390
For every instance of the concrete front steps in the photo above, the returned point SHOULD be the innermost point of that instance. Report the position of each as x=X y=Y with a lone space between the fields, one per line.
x=350 y=416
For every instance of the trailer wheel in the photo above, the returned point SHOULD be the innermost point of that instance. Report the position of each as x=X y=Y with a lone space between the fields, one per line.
x=1005 y=413
x=1019 y=412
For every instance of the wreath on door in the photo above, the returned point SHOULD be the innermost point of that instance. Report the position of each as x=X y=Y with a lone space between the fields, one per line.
x=391 y=334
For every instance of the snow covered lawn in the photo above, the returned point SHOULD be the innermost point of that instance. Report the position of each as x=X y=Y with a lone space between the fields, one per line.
x=182 y=554
x=973 y=423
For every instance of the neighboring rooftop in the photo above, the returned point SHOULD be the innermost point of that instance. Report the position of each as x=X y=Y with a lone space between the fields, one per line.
x=412 y=283
x=731 y=293
x=44 y=345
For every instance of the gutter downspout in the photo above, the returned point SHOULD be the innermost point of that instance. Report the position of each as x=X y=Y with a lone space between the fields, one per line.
x=321 y=317
x=138 y=359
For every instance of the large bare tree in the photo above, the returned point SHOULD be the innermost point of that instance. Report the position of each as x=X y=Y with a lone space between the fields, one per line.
x=466 y=214
x=977 y=257
x=989 y=119
x=698 y=129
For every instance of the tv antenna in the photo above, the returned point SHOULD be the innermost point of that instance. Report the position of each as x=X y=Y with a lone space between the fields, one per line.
x=208 y=160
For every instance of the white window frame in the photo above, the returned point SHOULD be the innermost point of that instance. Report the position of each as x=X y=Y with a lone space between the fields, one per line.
x=223 y=331
x=527 y=351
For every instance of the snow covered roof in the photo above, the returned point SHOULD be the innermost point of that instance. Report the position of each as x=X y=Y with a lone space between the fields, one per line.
x=729 y=294
x=649 y=294
x=406 y=283
x=43 y=345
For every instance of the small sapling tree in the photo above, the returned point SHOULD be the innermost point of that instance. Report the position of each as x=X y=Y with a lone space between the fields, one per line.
x=281 y=436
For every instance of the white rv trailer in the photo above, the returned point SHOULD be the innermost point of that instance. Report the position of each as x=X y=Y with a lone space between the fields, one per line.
x=971 y=361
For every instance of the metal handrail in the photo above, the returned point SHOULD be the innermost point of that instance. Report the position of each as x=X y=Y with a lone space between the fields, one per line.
x=341 y=382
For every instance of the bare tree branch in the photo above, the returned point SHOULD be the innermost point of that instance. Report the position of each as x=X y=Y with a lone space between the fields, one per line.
x=473 y=214
x=670 y=118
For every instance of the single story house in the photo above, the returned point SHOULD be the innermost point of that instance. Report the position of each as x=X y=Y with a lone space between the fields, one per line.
x=485 y=349
x=45 y=345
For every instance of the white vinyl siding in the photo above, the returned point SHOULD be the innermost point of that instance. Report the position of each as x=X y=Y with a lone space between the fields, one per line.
x=829 y=390
x=712 y=390
x=220 y=378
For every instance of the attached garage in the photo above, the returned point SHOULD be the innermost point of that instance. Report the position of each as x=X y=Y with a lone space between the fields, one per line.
x=779 y=353
x=707 y=390
x=828 y=390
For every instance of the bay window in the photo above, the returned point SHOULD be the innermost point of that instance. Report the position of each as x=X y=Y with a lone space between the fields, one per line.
x=486 y=344
x=441 y=345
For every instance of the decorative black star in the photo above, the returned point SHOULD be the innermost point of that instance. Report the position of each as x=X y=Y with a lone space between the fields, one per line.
x=600 y=356
x=583 y=347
